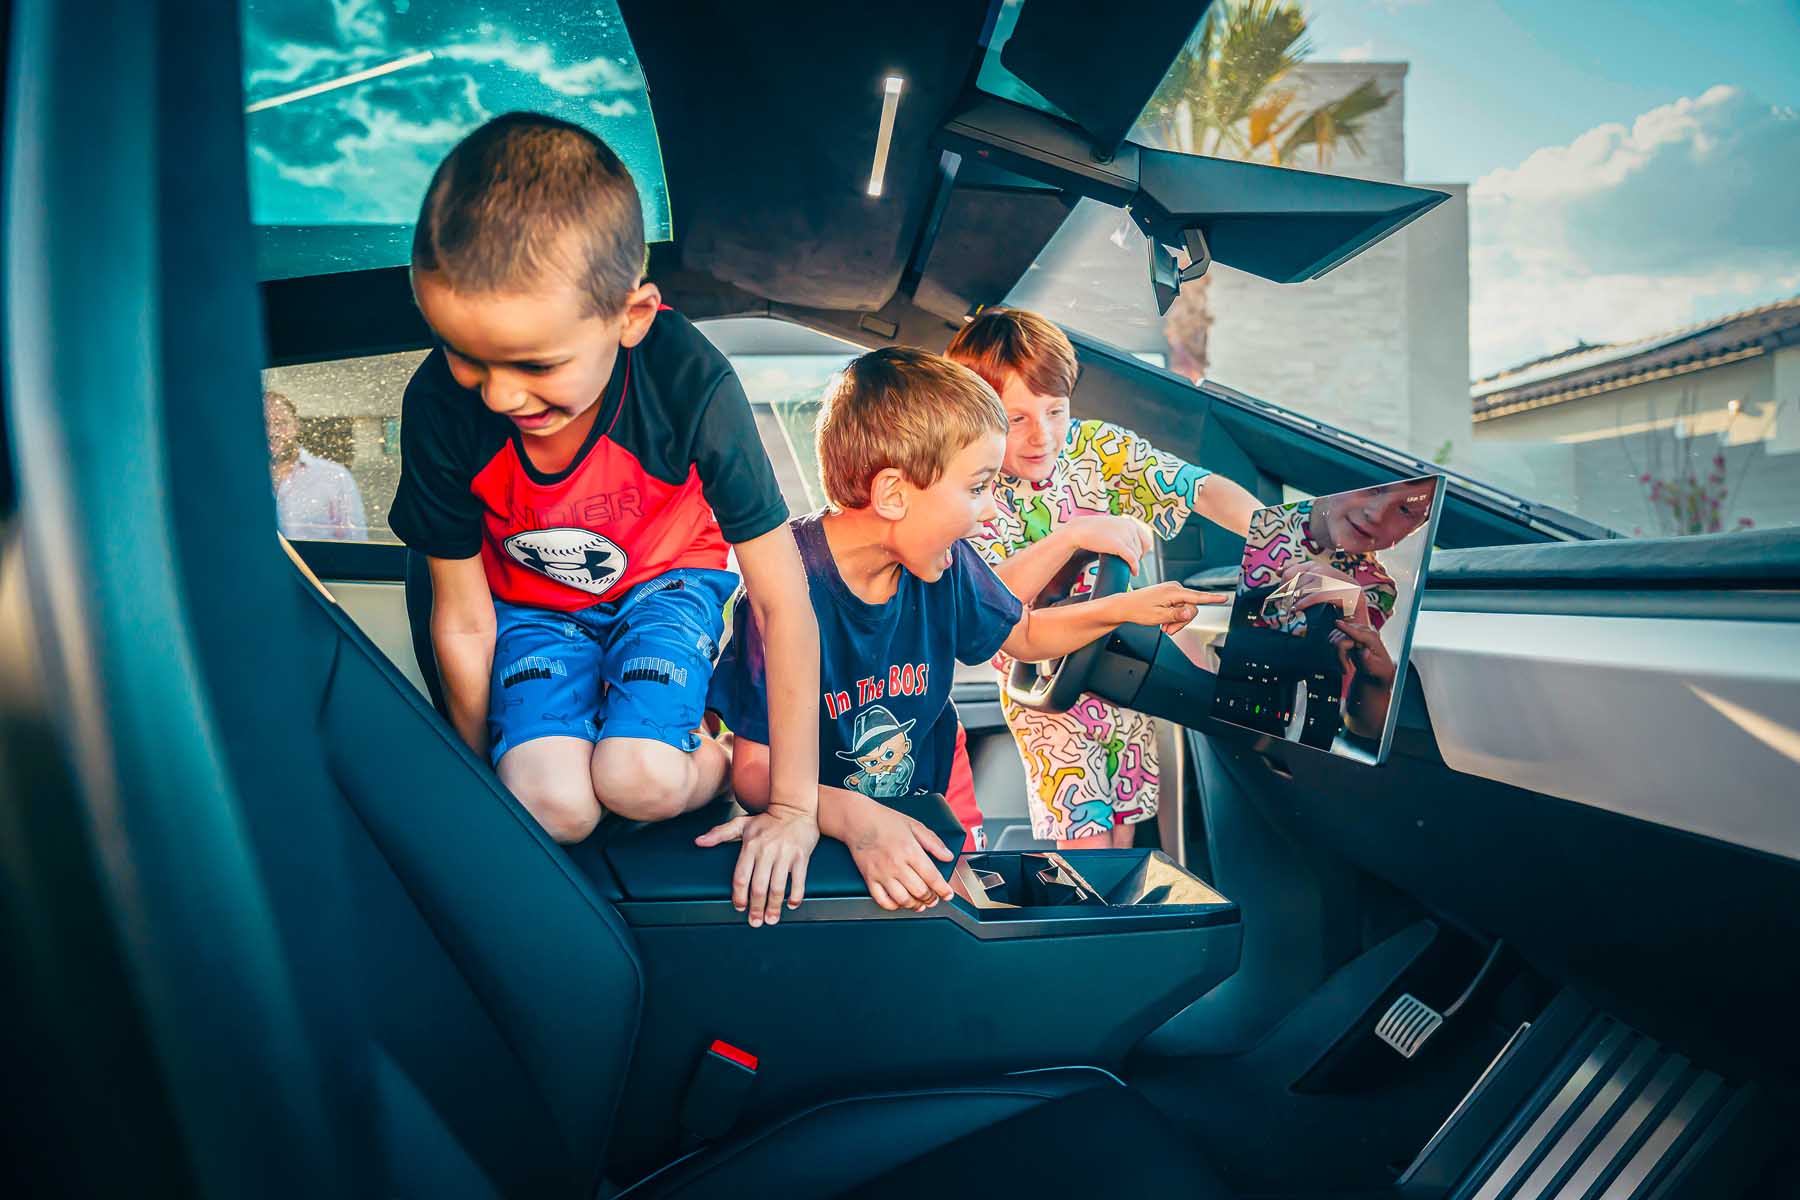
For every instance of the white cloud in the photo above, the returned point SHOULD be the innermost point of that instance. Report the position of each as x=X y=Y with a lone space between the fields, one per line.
x=365 y=153
x=600 y=74
x=374 y=148
x=360 y=20
x=1361 y=52
x=298 y=59
x=1624 y=231
x=301 y=62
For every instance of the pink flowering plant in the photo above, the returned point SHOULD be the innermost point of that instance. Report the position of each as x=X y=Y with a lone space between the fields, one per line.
x=1687 y=489
x=1686 y=501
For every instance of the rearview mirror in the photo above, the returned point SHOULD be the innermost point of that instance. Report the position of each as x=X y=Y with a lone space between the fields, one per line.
x=1167 y=276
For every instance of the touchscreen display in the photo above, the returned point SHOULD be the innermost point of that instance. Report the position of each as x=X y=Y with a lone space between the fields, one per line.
x=1322 y=619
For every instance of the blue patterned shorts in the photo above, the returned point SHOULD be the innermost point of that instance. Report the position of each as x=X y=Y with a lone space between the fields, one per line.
x=633 y=667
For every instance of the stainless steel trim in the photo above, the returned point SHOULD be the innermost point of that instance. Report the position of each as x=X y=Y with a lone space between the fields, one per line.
x=1660 y=1142
x=1172 y=822
x=1624 y=1129
x=1604 y=1104
x=1499 y=1181
x=1524 y=698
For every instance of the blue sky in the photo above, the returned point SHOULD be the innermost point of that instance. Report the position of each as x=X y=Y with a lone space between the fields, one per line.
x=1636 y=166
x=1491 y=82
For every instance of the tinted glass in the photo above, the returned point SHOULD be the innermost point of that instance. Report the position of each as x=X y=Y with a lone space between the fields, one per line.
x=334 y=444
x=352 y=103
x=1604 y=317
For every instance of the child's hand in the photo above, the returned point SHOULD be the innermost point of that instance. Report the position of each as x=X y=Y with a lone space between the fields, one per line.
x=890 y=850
x=1363 y=650
x=1127 y=537
x=777 y=846
x=1167 y=604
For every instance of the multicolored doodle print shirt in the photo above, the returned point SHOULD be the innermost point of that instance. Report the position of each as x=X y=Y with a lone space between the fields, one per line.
x=1279 y=536
x=1094 y=766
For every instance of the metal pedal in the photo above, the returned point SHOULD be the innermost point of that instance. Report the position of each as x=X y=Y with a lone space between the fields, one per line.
x=1408 y=1024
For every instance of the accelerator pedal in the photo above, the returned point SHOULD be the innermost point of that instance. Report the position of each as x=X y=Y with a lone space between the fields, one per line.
x=1408 y=1024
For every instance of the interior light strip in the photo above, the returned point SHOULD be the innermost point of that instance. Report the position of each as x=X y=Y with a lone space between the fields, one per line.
x=399 y=64
x=890 y=104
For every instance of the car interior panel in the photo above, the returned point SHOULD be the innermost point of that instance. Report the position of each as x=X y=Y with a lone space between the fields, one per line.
x=272 y=928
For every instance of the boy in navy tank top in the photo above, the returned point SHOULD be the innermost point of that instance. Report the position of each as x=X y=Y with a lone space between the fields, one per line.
x=909 y=444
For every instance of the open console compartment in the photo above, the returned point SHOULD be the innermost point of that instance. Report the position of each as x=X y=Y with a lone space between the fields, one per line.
x=1128 y=885
x=1048 y=894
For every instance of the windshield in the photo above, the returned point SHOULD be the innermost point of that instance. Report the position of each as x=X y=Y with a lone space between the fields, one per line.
x=350 y=104
x=1604 y=317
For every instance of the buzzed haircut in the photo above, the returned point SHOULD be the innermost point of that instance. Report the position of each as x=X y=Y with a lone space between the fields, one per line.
x=528 y=196
x=900 y=407
x=1002 y=342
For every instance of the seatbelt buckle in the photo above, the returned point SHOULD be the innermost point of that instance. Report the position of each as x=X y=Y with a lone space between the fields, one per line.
x=718 y=1090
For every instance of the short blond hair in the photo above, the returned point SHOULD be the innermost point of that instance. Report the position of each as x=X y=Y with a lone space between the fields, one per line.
x=903 y=408
x=1001 y=342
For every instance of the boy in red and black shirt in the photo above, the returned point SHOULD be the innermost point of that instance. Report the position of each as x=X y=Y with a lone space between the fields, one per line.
x=575 y=461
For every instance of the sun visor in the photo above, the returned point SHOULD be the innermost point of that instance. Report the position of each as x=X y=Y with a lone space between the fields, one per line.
x=1282 y=224
x=1279 y=223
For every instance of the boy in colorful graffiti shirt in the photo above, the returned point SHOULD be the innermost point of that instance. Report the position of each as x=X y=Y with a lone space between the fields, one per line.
x=1064 y=488
x=909 y=444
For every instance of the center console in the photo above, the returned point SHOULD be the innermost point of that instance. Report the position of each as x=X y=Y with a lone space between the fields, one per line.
x=1024 y=969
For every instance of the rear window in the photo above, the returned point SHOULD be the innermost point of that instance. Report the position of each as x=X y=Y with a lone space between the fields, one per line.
x=334 y=444
x=350 y=105
x=334 y=425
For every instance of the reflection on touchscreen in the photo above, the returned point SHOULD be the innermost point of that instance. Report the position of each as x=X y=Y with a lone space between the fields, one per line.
x=1322 y=618
x=1284 y=609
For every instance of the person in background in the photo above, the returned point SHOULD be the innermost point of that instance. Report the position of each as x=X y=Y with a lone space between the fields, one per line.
x=316 y=500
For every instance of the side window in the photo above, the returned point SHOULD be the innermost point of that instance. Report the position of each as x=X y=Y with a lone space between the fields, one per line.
x=334 y=426
x=785 y=370
x=334 y=445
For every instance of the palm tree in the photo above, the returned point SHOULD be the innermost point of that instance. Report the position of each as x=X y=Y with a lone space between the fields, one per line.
x=1223 y=97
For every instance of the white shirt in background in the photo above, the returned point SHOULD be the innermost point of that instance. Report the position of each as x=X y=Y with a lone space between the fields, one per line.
x=320 y=502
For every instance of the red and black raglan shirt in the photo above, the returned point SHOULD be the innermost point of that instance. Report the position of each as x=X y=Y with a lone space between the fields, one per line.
x=672 y=471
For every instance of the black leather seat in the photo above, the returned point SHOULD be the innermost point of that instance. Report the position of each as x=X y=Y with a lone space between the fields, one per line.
x=1025 y=1135
x=505 y=993
x=374 y=978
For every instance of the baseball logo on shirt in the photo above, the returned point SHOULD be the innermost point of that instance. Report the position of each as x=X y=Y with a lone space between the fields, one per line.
x=578 y=557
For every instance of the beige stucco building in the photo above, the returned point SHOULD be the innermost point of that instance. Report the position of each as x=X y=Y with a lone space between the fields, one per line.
x=1588 y=425
x=1379 y=346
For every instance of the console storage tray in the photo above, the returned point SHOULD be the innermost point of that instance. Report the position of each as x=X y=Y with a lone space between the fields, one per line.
x=1124 y=889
